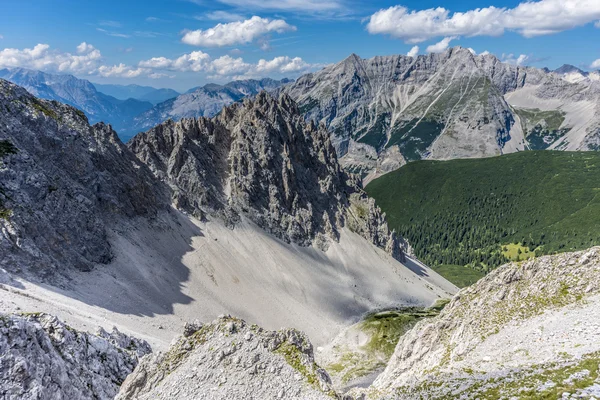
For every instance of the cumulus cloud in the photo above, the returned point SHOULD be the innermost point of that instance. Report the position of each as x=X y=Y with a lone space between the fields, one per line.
x=41 y=57
x=516 y=60
x=596 y=64
x=413 y=52
x=529 y=18
x=86 y=61
x=195 y=61
x=120 y=71
x=440 y=46
x=233 y=33
x=227 y=66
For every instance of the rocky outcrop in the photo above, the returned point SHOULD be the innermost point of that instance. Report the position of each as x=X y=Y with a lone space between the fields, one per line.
x=520 y=326
x=229 y=359
x=62 y=184
x=261 y=159
x=438 y=106
x=42 y=358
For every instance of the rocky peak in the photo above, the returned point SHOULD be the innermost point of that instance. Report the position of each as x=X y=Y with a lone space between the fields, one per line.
x=65 y=182
x=567 y=69
x=262 y=160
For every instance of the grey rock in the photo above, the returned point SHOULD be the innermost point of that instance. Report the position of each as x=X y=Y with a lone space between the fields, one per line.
x=263 y=365
x=66 y=184
x=260 y=159
x=43 y=358
x=436 y=106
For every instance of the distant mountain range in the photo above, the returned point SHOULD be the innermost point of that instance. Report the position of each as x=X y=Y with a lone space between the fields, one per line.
x=142 y=93
x=385 y=111
x=132 y=109
x=78 y=93
x=204 y=101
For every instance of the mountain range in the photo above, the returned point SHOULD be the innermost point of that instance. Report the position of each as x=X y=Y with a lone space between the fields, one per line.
x=79 y=93
x=142 y=93
x=386 y=111
x=205 y=101
x=250 y=212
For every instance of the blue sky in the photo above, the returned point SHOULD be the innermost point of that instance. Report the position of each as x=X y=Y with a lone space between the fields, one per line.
x=181 y=44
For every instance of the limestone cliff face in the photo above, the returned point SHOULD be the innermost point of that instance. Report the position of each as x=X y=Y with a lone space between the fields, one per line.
x=387 y=110
x=62 y=183
x=516 y=329
x=43 y=358
x=262 y=160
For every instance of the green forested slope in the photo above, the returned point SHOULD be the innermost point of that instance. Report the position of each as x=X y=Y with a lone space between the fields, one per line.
x=482 y=213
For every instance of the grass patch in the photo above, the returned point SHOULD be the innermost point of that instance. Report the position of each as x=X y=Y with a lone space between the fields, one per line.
x=414 y=137
x=465 y=212
x=384 y=330
x=460 y=275
x=517 y=252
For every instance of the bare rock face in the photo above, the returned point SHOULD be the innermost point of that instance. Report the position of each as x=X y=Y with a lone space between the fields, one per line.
x=520 y=327
x=453 y=104
x=229 y=359
x=262 y=160
x=63 y=182
x=42 y=358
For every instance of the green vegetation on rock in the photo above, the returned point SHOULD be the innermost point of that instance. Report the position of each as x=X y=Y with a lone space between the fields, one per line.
x=542 y=128
x=469 y=212
x=383 y=331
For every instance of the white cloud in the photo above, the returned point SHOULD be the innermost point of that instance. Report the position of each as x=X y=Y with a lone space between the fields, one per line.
x=41 y=57
x=157 y=75
x=112 y=24
x=195 y=61
x=512 y=59
x=115 y=34
x=84 y=48
x=227 y=66
x=120 y=71
x=413 y=52
x=87 y=61
x=529 y=18
x=233 y=33
x=1 y=37
x=441 y=45
x=597 y=24
x=596 y=64
x=287 y=5
x=222 y=16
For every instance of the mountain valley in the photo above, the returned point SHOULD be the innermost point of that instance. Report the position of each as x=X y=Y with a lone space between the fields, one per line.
x=465 y=269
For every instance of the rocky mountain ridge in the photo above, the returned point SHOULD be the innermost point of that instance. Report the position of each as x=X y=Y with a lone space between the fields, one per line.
x=62 y=184
x=204 y=101
x=79 y=93
x=261 y=159
x=138 y=92
x=526 y=328
x=387 y=110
